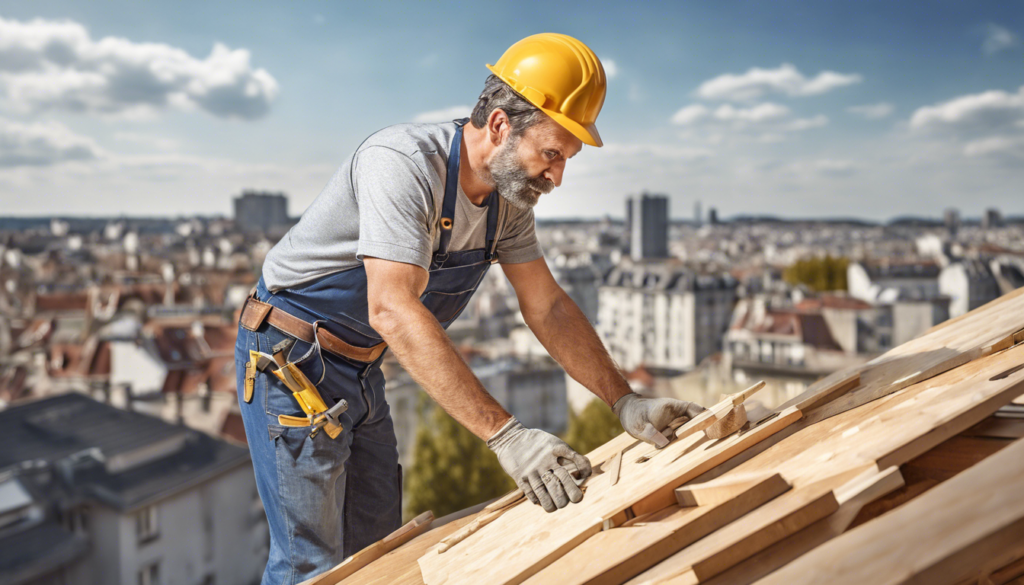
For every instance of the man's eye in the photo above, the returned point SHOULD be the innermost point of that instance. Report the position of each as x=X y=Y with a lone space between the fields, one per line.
x=550 y=154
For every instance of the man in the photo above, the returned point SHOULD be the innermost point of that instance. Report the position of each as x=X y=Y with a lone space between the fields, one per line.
x=387 y=256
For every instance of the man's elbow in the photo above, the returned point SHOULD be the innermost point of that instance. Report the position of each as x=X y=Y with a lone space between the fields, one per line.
x=387 y=316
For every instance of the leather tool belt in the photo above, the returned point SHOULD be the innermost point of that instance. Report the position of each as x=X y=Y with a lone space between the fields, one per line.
x=255 y=312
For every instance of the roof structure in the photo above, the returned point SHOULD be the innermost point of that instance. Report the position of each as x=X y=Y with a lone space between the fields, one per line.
x=849 y=482
x=122 y=459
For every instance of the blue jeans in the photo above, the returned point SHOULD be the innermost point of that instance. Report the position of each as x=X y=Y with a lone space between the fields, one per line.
x=325 y=498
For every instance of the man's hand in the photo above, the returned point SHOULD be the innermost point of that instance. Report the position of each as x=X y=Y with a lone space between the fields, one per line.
x=531 y=458
x=644 y=418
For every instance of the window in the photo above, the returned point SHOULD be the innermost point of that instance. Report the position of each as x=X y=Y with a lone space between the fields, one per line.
x=147 y=524
x=150 y=574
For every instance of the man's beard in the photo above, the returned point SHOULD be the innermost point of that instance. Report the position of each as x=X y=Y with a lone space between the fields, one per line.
x=511 y=180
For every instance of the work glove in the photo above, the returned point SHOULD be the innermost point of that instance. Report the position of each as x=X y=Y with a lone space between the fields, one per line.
x=644 y=418
x=534 y=459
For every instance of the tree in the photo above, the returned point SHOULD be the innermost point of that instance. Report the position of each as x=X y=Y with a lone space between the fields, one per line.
x=821 y=274
x=594 y=426
x=452 y=468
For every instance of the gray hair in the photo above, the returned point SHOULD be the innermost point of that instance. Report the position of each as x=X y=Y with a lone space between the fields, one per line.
x=499 y=95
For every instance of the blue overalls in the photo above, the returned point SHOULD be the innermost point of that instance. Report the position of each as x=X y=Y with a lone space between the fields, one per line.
x=327 y=498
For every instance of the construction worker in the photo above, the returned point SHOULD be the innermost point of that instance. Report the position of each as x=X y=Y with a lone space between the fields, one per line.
x=388 y=255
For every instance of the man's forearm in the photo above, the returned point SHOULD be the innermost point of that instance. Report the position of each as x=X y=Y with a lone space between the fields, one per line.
x=426 y=352
x=570 y=338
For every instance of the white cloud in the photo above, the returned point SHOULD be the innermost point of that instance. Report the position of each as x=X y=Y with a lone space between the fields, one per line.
x=610 y=68
x=443 y=115
x=984 y=125
x=807 y=123
x=770 y=120
x=148 y=140
x=785 y=80
x=765 y=112
x=829 y=167
x=872 y=111
x=667 y=151
x=43 y=144
x=154 y=184
x=997 y=39
x=691 y=114
x=56 y=65
x=996 y=146
x=970 y=114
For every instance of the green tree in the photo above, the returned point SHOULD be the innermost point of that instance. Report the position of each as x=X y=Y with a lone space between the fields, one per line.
x=594 y=426
x=452 y=468
x=820 y=274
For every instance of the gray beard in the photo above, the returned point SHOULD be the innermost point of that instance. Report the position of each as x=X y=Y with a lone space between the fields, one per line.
x=511 y=180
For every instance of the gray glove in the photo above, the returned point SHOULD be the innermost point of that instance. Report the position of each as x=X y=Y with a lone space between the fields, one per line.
x=532 y=458
x=643 y=418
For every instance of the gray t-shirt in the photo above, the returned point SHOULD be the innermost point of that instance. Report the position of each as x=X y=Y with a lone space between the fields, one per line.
x=385 y=202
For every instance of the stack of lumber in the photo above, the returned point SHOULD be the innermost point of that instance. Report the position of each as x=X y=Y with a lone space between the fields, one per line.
x=905 y=469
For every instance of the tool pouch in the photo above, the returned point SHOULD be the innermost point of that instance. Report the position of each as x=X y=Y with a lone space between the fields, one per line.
x=308 y=398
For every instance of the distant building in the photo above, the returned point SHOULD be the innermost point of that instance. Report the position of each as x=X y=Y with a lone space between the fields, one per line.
x=712 y=216
x=533 y=390
x=790 y=347
x=662 y=314
x=911 y=318
x=579 y=275
x=969 y=284
x=647 y=220
x=887 y=282
x=992 y=219
x=261 y=212
x=93 y=494
x=951 y=219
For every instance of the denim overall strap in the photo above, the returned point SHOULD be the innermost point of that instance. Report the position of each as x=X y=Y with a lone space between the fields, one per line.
x=451 y=188
x=492 y=225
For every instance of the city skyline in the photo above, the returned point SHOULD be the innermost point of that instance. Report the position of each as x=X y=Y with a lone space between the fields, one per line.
x=846 y=109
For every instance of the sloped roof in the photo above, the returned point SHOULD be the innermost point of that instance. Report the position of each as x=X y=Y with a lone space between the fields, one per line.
x=137 y=457
x=809 y=328
x=832 y=302
x=839 y=451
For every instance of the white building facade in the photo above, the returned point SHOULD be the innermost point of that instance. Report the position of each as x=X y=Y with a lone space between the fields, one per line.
x=662 y=314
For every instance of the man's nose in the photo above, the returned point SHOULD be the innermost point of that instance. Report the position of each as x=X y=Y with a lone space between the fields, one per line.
x=554 y=173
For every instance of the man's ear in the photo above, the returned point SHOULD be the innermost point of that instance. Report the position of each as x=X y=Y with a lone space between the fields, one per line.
x=498 y=127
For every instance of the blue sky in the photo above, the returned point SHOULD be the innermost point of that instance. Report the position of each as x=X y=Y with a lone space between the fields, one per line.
x=840 y=108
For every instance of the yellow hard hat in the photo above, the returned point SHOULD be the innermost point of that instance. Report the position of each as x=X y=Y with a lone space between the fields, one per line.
x=561 y=76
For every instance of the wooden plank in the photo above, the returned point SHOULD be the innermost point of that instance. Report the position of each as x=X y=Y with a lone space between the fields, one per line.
x=826 y=389
x=349 y=566
x=981 y=332
x=487 y=516
x=399 y=566
x=852 y=497
x=989 y=393
x=664 y=496
x=717 y=412
x=725 y=489
x=623 y=442
x=942 y=537
x=934 y=467
x=898 y=427
x=525 y=539
x=615 y=469
x=746 y=536
x=618 y=554
x=872 y=431
x=998 y=427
